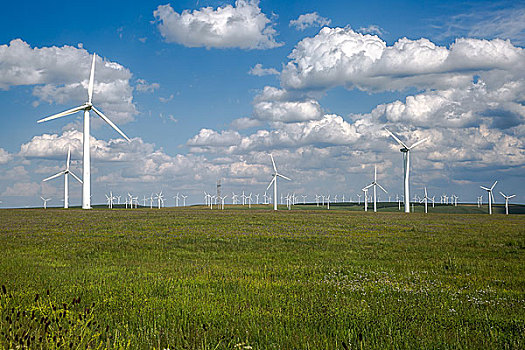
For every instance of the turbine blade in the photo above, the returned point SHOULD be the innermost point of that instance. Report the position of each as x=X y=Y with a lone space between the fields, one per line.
x=486 y=189
x=395 y=138
x=284 y=177
x=76 y=177
x=91 y=79
x=418 y=143
x=273 y=163
x=495 y=182
x=271 y=182
x=502 y=194
x=367 y=187
x=425 y=192
x=511 y=196
x=62 y=114
x=381 y=187
x=55 y=176
x=106 y=119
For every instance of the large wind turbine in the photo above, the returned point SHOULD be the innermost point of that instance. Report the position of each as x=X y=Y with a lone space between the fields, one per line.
x=274 y=181
x=86 y=107
x=406 y=162
x=490 y=195
x=65 y=172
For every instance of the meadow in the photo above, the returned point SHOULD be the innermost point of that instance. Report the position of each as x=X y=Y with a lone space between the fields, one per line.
x=193 y=278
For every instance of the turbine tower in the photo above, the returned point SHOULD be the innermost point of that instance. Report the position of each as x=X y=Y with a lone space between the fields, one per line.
x=406 y=162
x=490 y=195
x=507 y=202
x=86 y=107
x=274 y=181
x=65 y=172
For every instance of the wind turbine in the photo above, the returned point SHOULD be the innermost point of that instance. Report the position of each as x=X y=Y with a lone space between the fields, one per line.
x=86 y=107
x=365 y=190
x=425 y=199
x=160 y=199
x=375 y=184
x=274 y=181
x=406 y=162
x=490 y=195
x=45 y=201
x=183 y=200
x=507 y=202
x=65 y=172
x=222 y=201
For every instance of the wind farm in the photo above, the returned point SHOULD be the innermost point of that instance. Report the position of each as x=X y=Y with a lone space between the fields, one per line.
x=249 y=191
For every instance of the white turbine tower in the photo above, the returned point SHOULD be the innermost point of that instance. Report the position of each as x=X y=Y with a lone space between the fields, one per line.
x=274 y=181
x=406 y=162
x=490 y=195
x=86 y=107
x=507 y=202
x=65 y=172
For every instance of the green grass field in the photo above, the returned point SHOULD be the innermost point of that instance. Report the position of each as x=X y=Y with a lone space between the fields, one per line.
x=192 y=278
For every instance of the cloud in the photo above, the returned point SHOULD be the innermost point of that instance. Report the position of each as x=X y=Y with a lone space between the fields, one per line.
x=18 y=173
x=245 y=123
x=309 y=20
x=4 y=156
x=494 y=22
x=241 y=26
x=329 y=130
x=343 y=57
x=372 y=29
x=259 y=71
x=278 y=105
x=166 y=99
x=22 y=189
x=208 y=137
x=143 y=86
x=287 y=111
x=61 y=76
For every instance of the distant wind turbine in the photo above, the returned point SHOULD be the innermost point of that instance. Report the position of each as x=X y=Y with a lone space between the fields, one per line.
x=375 y=184
x=274 y=181
x=45 y=201
x=65 y=172
x=86 y=107
x=406 y=162
x=425 y=199
x=507 y=202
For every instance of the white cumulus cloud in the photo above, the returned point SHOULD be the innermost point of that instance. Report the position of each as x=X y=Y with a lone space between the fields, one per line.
x=241 y=26
x=61 y=74
x=343 y=57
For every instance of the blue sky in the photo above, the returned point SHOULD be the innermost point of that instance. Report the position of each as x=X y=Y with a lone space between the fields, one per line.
x=206 y=89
